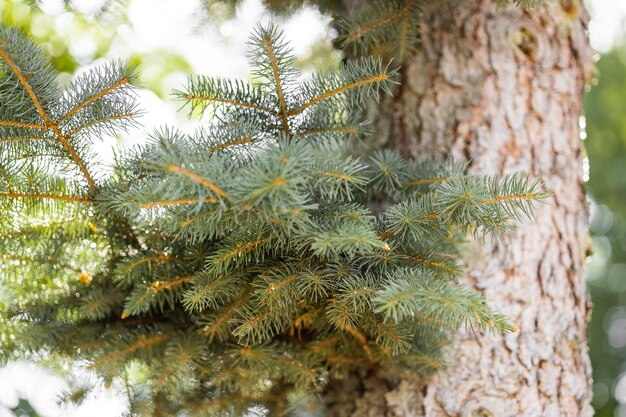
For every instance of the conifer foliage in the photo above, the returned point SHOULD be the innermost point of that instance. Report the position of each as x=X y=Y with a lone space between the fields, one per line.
x=240 y=266
x=392 y=28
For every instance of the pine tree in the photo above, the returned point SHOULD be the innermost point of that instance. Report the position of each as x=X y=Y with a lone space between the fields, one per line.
x=246 y=264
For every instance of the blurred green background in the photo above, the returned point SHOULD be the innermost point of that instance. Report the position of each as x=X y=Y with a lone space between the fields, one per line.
x=605 y=107
x=78 y=33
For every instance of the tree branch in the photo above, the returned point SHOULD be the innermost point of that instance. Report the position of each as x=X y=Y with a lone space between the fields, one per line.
x=95 y=97
x=267 y=45
x=49 y=122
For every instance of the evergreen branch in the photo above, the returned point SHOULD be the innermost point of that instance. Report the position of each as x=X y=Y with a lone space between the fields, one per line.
x=21 y=139
x=231 y=143
x=256 y=326
x=196 y=178
x=509 y=198
x=139 y=344
x=412 y=292
x=375 y=79
x=189 y=221
x=361 y=31
x=276 y=290
x=387 y=170
x=99 y=303
x=225 y=256
x=448 y=267
x=101 y=120
x=425 y=181
x=427 y=174
x=347 y=239
x=208 y=291
x=339 y=177
x=12 y=123
x=390 y=27
x=268 y=45
x=141 y=261
x=179 y=201
x=425 y=319
x=316 y=285
x=24 y=82
x=278 y=182
x=364 y=343
x=81 y=164
x=212 y=329
x=484 y=204
x=322 y=346
x=414 y=223
x=46 y=197
x=352 y=301
x=121 y=82
x=192 y=97
x=158 y=286
x=139 y=301
x=390 y=336
x=460 y=201
x=44 y=115
x=7 y=177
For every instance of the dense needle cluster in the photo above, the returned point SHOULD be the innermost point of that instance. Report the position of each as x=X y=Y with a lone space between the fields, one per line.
x=240 y=266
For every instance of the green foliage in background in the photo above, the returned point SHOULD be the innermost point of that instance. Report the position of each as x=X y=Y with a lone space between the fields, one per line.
x=245 y=264
x=606 y=147
x=59 y=37
x=53 y=38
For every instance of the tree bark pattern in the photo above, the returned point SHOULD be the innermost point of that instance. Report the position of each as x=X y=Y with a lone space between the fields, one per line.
x=502 y=87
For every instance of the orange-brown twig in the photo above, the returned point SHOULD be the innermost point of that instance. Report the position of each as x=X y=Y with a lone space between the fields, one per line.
x=508 y=198
x=267 y=44
x=101 y=120
x=177 y=202
x=122 y=81
x=343 y=88
x=48 y=122
x=349 y=129
x=197 y=178
x=161 y=286
x=232 y=102
x=424 y=181
x=44 y=196
x=359 y=32
x=12 y=123
x=231 y=143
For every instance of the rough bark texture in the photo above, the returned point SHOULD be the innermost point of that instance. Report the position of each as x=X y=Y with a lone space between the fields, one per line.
x=502 y=87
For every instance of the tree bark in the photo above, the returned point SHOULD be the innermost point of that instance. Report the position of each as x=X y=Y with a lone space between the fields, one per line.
x=502 y=87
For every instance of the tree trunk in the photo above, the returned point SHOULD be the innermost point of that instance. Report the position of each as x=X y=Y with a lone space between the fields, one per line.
x=503 y=87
